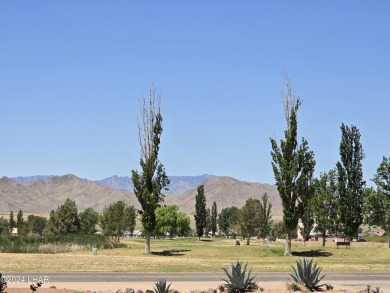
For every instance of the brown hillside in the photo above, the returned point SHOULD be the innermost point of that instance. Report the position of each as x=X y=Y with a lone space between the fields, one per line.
x=45 y=195
x=227 y=192
x=42 y=196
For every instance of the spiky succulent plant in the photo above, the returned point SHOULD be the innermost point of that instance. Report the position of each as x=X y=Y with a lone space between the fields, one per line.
x=161 y=286
x=3 y=284
x=239 y=280
x=307 y=274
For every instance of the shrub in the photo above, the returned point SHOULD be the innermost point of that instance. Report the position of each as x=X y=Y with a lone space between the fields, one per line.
x=51 y=244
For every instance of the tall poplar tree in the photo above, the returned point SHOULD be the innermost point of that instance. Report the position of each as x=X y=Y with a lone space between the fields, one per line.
x=265 y=218
x=19 y=220
x=12 y=223
x=293 y=165
x=350 y=181
x=152 y=179
x=200 y=211
x=214 y=216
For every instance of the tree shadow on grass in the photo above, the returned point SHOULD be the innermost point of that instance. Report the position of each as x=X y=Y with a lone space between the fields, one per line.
x=312 y=253
x=206 y=240
x=172 y=252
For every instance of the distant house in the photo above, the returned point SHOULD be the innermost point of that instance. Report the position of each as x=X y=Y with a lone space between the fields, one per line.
x=299 y=234
x=14 y=231
x=137 y=233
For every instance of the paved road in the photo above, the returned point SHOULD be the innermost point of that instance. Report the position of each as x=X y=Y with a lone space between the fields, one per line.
x=352 y=282
x=188 y=277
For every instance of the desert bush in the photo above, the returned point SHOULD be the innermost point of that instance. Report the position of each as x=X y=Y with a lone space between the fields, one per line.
x=51 y=244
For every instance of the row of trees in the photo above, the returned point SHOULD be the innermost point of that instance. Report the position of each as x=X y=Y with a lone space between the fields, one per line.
x=335 y=213
x=337 y=202
x=253 y=219
x=33 y=225
x=66 y=220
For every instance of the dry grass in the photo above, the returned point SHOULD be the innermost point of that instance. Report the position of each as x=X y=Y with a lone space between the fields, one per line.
x=191 y=255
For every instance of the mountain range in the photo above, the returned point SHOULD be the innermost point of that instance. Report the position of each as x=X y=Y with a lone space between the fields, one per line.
x=178 y=184
x=43 y=195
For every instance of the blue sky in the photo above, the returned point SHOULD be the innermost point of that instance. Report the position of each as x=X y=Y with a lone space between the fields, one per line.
x=73 y=74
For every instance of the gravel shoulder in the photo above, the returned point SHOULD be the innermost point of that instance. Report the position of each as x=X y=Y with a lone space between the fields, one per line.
x=270 y=287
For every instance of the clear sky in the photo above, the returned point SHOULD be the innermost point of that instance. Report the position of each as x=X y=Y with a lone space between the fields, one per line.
x=73 y=73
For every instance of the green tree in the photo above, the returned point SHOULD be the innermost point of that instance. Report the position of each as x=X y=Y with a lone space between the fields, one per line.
x=377 y=202
x=307 y=217
x=89 y=218
x=326 y=205
x=200 y=211
x=207 y=227
x=278 y=230
x=131 y=218
x=265 y=218
x=249 y=219
x=166 y=220
x=117 y=217
x=227 y=220
x=149 y=183
x=21 y=224
x=172 y=221
x=293 y=166
x=183 y=224
x=350 y=181
x=36 y=224
x=4 y=226
x=214 y=217
x=19 y=220
x=51 y=226
x=68 y=219
x=64 y=220
x=12 y=223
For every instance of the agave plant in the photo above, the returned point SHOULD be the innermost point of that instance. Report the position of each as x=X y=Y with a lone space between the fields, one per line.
x=239 y=280
x=3 y=284
x=307 y=274
x=161 y=286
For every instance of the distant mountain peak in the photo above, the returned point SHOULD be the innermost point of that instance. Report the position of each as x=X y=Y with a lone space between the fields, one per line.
x=66 y=178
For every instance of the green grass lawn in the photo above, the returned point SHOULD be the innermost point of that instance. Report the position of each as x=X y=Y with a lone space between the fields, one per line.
x=207 y=255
